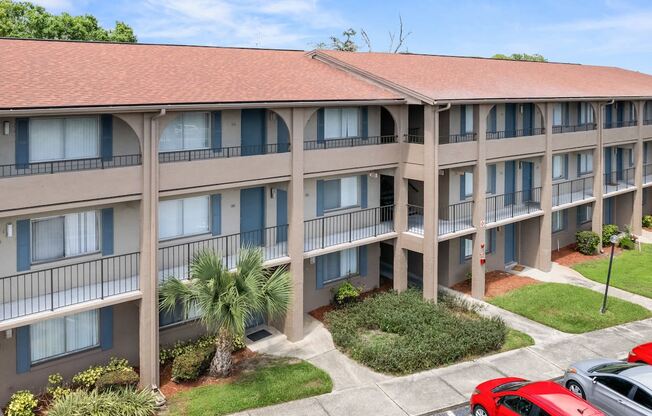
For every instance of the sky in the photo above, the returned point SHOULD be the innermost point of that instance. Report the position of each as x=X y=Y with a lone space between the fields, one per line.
x=600 y=32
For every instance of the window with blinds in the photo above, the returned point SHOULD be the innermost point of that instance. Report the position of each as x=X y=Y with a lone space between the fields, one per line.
x=63 y=138
x=65 y=236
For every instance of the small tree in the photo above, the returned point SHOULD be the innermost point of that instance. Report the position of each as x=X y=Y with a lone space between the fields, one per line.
x=521 y=57
x=225 y=299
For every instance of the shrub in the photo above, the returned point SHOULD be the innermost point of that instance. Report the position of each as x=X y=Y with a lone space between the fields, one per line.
x=647 y=221
x=587 y=242
x=627 y=243
x=124 y=377
x=55 y=388
x=167 y=355
x=22 y=403
x=239 y=343
x=88 y=378
x=607 y=231
x=192 y=363
x=123 y=402
x=346 y=293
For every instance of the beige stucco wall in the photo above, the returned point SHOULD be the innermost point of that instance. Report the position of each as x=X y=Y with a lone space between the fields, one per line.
x=567 y=236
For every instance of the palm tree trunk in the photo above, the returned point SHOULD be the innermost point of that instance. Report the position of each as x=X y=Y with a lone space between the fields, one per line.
x=222 y=363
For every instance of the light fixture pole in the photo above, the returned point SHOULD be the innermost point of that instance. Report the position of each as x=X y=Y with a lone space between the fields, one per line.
x=613 y=240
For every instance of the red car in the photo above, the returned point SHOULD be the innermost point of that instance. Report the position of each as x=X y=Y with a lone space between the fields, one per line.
x=518 y=397
x=641 y=354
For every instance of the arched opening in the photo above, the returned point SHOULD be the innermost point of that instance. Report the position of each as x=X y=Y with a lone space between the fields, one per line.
x=619 y=114
x=568 y=117
x=514 y=120
x=647 y=113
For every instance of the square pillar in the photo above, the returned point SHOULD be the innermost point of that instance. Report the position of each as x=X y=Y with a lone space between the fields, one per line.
x=478 y=269
x=598 y=174
x=430 y=206
x=637 y=212
x=544 y=255
x=400 y=278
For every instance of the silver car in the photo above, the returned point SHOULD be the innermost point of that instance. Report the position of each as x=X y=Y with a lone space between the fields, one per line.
x=616 y=387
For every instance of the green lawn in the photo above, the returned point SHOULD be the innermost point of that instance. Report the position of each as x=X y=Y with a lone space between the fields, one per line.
x=568 y=308
x=516 y=339
x=277 y=381
x=631 y=270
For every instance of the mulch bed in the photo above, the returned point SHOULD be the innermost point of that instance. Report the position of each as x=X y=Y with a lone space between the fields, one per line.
x=569 y=256
x=170 y=388
x=497 y=283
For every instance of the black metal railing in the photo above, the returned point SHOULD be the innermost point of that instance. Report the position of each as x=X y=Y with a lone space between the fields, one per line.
x=504 y=134
x=458 y=217
x=619 y=180
x=337 y=229
x=570 y=191
x=175 y=260
x=222 y=152
x=50 y=289
x=574 y=128
x=414 y=139
x=647 y=173
x=647 y=121
x=415 y=219
x=510 y=205
x=461 y=138
x=618 y=124
x=68 y=165
x=347 y=142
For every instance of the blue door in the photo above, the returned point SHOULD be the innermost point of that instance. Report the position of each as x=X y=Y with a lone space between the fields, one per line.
x=607 y=211
x=528 y=119
x=608 y=115
x=281 y=215
x=620 y=113
x=252 y=216
x=510 y=182
x=510 y=243
x=510 y=120
x=619 y=163
x=527 y=180
x=607 y=165
x=252 y=129
x=282 y=136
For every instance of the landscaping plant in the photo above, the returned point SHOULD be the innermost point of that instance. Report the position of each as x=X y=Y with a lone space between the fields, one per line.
x=608 y=230
x=226 y=299
x=191 y=364
x=647 y=221
x=22 y=403
x=123 y=402
x=587 y=242
x=168 y=354
x=120 y=378
x=56 y=389
x=346 y=293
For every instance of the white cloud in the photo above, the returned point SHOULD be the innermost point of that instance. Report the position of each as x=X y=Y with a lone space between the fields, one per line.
x=55 y=5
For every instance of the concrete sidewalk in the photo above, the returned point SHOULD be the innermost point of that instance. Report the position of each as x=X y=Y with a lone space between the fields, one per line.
x=360 y=391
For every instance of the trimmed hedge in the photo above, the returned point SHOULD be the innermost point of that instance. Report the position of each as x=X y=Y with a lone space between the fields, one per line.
x=124 y=377
x=647 y=221
x=607 y=231
x=587 y=242
x=191 y=364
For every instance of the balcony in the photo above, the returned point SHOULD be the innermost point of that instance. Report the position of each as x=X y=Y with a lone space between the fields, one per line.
x=571 y=191
x=348 y=142
x=68 y=165
x=57 y=287
x=619 y=124
x=505 y=134
x=413 y=139
x=332 y=230
x=458 y=217
x=174 y=260
x=647 y=173
x=619 y=180
x=574 y=128
x=222 y=152
x=514 y=204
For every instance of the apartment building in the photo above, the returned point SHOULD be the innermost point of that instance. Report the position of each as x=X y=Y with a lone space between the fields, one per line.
x=118 y=163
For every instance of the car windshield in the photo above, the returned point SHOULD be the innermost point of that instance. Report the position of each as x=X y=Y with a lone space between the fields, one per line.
x=512 y=386
x=613 y=368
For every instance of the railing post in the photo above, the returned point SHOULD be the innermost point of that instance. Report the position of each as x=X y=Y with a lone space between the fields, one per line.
x=101 y=279
x=323 y=233
x=51 y=289
x=376 y=222
x=350 y=227
x=188 y=259
x=454 y=219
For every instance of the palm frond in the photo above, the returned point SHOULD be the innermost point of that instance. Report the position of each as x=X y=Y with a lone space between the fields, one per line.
x=173 y=292
x=207 y=267
x=277 y=293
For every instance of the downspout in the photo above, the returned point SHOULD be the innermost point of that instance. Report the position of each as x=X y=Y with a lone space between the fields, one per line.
x=440 y=110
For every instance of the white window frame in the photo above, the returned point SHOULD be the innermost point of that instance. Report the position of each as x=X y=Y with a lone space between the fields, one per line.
x=557 y=114
x=98 y=240
x=342 y=206
x=66 y=351
x=183 y=148
x=562 y=167
x=63 y=127
x=468 y=184
x=183 y=234
x=468 y=248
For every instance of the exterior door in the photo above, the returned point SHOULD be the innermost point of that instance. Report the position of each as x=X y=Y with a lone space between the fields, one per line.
x=607 y=165
x=281 y=215
x=510 y=182
x=607 y=211
x=510 y=120
x=619 y=163
x=252 y=217
x=510 y=243
x=528 y=119
x=253 y=131
x=528 y=168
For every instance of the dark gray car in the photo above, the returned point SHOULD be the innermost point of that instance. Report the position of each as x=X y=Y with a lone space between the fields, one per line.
x=616 y=387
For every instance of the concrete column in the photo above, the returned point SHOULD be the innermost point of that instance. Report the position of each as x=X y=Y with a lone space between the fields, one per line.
x=637 y=212
x=400 y=277
x=294 y=318
x=544 y=260
x=598 y=174
x=148 y=328
x=430 y=206
x=479 y=204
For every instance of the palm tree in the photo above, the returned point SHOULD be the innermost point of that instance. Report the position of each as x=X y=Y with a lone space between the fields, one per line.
x=225 y=300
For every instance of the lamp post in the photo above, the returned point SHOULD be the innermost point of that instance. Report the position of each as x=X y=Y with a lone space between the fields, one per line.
x=613 y=240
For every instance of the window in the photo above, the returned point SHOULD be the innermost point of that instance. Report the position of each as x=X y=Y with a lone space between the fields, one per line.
x=584 y=214
x=642 y=398
x=467 y=247
x=468 y=184
x=490 y=236
x=65 y=236
x=341 y=122
x=340 y=264
x=341 y=193
x=491 y=179
x=586 y=163
x=63 y=138
x=466 y=119
x=186 y=132
x=59 y=336
x=558 y=166
x=181 y=217
x=618 y=385
x=177 y=316
x=557 y=114
x=586 y=113
x=558 y=221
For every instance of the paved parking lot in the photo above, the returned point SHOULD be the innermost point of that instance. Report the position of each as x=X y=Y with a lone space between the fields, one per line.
x=458 y=411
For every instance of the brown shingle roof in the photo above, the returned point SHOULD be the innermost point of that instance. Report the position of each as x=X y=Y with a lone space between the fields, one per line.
x=461 y=78
x=61 y=74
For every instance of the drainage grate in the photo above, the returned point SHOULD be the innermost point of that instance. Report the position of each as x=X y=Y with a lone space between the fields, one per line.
x=258 y=335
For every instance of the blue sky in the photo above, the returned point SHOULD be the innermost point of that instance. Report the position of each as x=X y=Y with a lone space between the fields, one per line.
x=602 y=32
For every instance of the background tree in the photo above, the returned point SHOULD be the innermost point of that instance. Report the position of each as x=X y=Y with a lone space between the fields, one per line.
x=225 y=300
x=349 y=42
x=521 y=57
x=27 y=20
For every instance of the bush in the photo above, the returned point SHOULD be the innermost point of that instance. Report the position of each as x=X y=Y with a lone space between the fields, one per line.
x=346 y=293
x=123 y=402
x=239 y=343
x=607 y=231
x=22 y=403
x=55 y=388
x=627 y=243
x=647 y=221
x=124 y=377
x=587 y=242
x=88 y=378
x=167 y=355
x=192 y=363
x=402 y=333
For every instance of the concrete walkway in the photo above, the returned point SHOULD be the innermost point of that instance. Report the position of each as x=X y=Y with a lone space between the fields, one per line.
x=646 y=237
x=361 y=391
